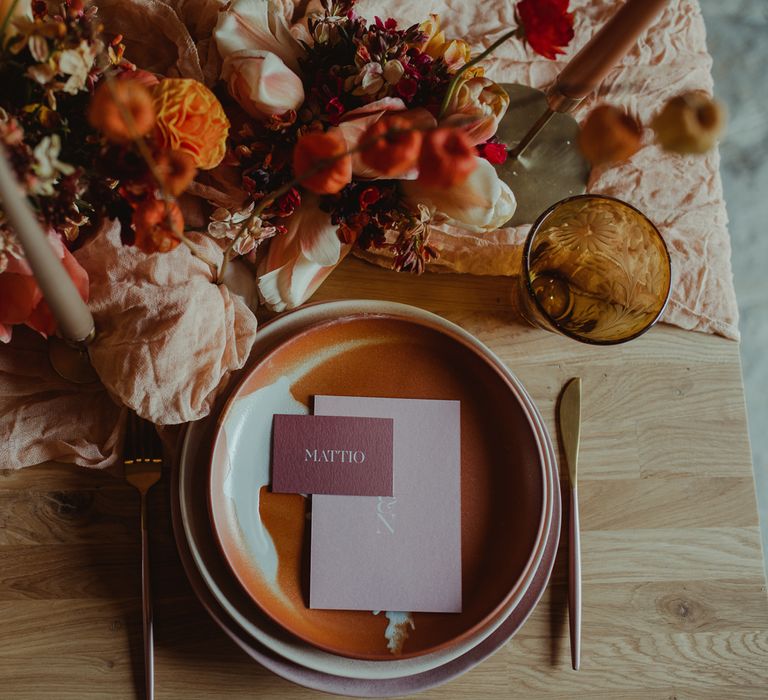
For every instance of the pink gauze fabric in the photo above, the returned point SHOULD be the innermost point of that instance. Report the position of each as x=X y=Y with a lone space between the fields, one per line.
x=168 y=340
x=682 y=195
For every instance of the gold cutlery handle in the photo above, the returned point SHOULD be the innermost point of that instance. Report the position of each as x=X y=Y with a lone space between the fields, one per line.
x=574 y=580
x=146 y=606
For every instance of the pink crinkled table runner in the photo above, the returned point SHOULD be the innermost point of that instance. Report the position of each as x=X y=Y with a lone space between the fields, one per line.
x=682 y=195
x=157 y=371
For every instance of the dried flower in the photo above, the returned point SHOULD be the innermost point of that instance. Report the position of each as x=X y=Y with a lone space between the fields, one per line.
x=370 y=79
x=546 y=25
x=412 y=249
x=455 y=53
x=689 y=123
x=159 y=225
x=324 y=156
x=77 y=63
x=394 y=145
x=447 y=158
x=9 y=246
x=190 y=119
x=241 y=226
x=47 y=166
x=122 y=110
x=176 y=170
x=609 y=135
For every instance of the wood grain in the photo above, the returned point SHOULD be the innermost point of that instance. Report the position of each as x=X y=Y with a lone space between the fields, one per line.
x=674 y=594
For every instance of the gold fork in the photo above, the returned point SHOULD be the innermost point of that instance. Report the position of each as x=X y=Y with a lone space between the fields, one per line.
x=143 y=466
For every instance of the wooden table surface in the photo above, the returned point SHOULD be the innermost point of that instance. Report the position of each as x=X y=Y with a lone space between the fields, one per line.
x=674 y=592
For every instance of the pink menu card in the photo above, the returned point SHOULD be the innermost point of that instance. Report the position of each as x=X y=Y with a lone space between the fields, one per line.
x=400 y=552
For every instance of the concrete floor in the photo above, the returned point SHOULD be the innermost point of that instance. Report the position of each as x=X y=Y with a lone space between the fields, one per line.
x=737 y=35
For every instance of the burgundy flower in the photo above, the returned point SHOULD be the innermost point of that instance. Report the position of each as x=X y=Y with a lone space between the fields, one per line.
x=494 y=152
x=288 y=203
x=406 y=88
x=546 y=25
x=369 y=196
x=335 y=109
x=389 y=24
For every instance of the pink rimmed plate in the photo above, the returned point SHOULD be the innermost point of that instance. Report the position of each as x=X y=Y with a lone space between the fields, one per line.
x=505 y=482
x=266 y=642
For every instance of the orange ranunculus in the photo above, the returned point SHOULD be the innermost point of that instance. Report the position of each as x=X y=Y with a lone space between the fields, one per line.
x=393 y=145
x=447 y=158
x=176 y=170
x=332 y=176
x=158 y=225
x=113 y=102
x=609 y=135
x=191 y=119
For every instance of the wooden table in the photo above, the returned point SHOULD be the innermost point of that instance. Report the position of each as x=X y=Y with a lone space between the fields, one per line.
x=674 y=592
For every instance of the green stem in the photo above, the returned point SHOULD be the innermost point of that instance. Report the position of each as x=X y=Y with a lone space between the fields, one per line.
x=457 y=75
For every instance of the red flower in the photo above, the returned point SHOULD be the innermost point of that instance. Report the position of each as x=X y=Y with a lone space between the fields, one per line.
x=447 y=158
x=494 y=152
x=546 y=25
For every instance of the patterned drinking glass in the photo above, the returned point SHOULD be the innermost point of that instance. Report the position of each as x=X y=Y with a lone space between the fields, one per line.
x=594 y=269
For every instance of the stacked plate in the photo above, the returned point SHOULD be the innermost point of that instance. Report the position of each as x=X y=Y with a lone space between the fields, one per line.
x=244 y=548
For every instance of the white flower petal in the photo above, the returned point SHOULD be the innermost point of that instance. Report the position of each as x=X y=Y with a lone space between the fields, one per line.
x=481 y=204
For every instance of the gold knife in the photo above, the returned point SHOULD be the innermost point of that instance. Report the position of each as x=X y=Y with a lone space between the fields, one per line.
x=570 y=432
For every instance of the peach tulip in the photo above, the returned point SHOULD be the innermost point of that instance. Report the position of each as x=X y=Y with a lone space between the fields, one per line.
x=482 y=101
x=298 y=262
x=261 y=83
x=480 y=204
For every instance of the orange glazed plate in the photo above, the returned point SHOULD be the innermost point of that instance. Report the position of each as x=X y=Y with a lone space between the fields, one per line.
x=264 y=536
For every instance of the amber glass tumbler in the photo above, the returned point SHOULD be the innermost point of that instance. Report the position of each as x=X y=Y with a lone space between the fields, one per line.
x=595 y=269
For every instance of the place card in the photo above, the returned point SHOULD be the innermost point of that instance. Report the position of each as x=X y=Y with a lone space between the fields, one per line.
x=399 y=553
x=348 y=455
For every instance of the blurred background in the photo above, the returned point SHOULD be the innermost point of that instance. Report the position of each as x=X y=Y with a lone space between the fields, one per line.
x=737 y=36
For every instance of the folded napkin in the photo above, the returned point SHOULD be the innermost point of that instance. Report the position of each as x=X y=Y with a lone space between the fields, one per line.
x=682 y=195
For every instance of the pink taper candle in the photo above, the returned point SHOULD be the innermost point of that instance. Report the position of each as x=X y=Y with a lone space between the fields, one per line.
x=73 y=319
x=602 y=52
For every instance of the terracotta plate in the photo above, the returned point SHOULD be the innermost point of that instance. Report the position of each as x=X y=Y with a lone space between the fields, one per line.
x=504 y=492
x=236 y=611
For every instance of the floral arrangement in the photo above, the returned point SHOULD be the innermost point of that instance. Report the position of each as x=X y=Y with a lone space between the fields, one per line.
x=311 y=138
x=91 y=136
x=360 y=133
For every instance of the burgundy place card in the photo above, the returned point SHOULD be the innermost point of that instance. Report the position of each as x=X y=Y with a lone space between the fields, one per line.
x=400 y=553
x=347 y=455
